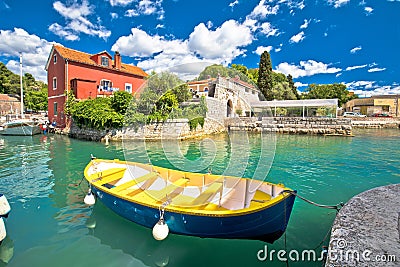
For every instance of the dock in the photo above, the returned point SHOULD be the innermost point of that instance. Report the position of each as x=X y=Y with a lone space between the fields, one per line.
x=366 y=232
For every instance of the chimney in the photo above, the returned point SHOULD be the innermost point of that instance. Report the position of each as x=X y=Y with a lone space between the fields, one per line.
x=117 y=60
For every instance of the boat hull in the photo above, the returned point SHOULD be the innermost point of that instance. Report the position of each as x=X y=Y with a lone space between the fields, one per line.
x=267 y=224
x=21 y=128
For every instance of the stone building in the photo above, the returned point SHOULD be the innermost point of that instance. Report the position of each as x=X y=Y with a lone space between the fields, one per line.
x=382 y=104
x=9 y=105
x=226 y=97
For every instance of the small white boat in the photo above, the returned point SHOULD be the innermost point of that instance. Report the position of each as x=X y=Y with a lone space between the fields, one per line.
x=21 y=127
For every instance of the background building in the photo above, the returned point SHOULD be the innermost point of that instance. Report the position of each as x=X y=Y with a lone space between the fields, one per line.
x=383 y=104
x=87 y=76
x=226 y=97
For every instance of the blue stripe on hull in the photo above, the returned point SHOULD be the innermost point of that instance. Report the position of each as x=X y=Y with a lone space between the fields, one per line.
x=267 y=225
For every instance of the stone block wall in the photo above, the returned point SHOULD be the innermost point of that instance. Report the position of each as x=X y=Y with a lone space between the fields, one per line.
x=288 y=125
x=217 y=109
x=171 y=129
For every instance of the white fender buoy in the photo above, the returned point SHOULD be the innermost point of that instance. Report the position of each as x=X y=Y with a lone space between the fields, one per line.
x=160 y=230
x=3 y=232
x=89 y=198
x=4 y=205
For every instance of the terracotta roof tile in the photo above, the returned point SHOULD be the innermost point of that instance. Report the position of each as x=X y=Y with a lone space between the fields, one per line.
x=5 y=97
x=82 y=57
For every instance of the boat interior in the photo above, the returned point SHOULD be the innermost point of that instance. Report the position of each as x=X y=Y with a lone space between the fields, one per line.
x=157 y=186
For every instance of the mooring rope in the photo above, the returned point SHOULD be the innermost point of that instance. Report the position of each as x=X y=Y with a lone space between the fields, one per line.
x=335 y=207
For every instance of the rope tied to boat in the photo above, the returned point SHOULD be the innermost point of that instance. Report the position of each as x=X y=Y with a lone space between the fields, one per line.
x=162 y=209
x=336 y=207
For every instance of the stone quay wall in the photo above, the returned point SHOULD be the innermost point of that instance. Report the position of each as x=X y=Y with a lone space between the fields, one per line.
x=377 y=123
x=171 y=129
x=288 y=125
x=366 y=231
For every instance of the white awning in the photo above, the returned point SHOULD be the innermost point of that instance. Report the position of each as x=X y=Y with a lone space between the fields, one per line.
x=295 y=103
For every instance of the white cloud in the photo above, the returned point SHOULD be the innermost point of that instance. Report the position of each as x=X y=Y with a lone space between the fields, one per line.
x=300 y=84
x=234 y=3
x=131 y=13
x=297 y=38
x=144 y=7
x=224 y=43
x=356 y=67
x=262 y=10
x=355 y=49
x=220 y=46
x=376 y=69
x=371 y=88
x=306 y=68
x=121 y=2
x=305 y=24
x=269 y=30
x=76 y=16
x=261 y=49
x=114 y=15
x=338 y=3
x=35 y=51
x=278 y=49
x=368 y=10
x=140 y=44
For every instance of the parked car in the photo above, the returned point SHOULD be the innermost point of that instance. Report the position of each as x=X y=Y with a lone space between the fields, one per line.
x=381 y=115
x=354 y=114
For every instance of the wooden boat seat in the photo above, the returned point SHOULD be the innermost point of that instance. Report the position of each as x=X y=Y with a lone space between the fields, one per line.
x=208 y=194
x=261 y=197
x=169 y=191
x=107 y=176
x=150 y=177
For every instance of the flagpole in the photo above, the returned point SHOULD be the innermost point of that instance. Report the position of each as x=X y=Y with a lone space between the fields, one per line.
x=20 y=81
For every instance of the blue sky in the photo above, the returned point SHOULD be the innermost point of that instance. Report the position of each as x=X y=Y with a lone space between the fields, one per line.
x=319 y=41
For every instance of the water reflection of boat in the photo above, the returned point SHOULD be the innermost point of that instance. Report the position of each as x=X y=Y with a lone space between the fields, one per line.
x=195 y=204
x=6 y=250
x=134 y=240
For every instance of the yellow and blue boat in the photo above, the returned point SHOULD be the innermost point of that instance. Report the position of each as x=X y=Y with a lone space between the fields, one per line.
x=195 y=204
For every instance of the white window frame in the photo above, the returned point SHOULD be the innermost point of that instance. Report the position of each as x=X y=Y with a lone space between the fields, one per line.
x=54 y=83
x=55 y=107
x=130 y=89
x=55 y=58
x=109 y=83
x=108 y=61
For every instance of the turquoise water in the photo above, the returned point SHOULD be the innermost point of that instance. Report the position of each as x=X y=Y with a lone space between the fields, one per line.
x=50 y=226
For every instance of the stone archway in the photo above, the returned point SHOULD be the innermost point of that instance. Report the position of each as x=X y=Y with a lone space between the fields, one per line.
x=229 y=109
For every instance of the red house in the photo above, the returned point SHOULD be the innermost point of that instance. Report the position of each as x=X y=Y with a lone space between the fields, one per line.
x=87 y=76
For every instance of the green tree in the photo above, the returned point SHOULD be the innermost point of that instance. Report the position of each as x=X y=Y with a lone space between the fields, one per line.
x=241 y=68
x=159 y=83
x=146 y=101
x=182 y=92
x=36 y=100
x=253 y=75
x=213 y=71
x=265 y=79
x=120 y=101
x=328 y=91
x=164 y=106
x=96 y=113
x=292 y=86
